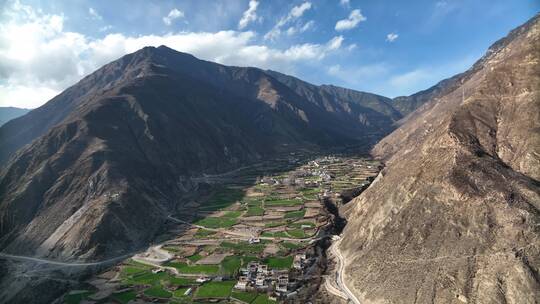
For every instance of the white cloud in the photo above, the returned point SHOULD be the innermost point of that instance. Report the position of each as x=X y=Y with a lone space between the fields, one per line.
x=173 y=15
x=345 y=3
x=39 y=58
x=298 y=11
x=94 y=14
x=295 y=13
x=249 y=15
x=354 y=19
x=300 y=28
x=22 y=96
x=391 y=37
x=335 y=43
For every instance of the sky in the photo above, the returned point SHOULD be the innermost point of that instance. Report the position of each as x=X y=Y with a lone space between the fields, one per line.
x=391 y=48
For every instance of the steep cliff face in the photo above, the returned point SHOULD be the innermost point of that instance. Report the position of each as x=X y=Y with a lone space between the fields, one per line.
x=455 y=215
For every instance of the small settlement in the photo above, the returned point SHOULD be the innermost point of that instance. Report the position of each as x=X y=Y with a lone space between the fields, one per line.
x=250 y=239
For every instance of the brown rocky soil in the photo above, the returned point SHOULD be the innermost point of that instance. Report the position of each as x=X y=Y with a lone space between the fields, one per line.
x=455 y=215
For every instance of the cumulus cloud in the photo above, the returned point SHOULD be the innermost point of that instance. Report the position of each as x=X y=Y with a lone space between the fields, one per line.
x=249 y=15
x=173 y=15
x=94 y=14
x=39 y=58
x=294 y=14
x=355 y=17
x=391 y=37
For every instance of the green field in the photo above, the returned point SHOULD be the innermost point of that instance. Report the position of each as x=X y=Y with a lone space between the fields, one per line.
x=181 y=281
x=282 y=202
x=215 y=290
x=274 y=224
x=308 y=191
x=281 y=234
x=76 y=297
x=233 y=206
x=291 y=246
x=232 y=214
x=279 y=263
x=130 y=270
x=125 y=297
x=157 y=292
x=146 y=278
x=133 y=263
x=246 y=297
x=298 y=225
x=244 y=247
x=295 y=214
x=194 y=258
x=203 y=233
x=222 y=199
x=179 y=293
x=297 y=233
x=216 y=222
x=194 y=269
x=263 y=299
x=255 y=211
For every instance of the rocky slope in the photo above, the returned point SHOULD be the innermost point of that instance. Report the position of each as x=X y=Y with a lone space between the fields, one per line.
x=371 y=110
x=9 y=113
x=455 y=215
x=98 y=167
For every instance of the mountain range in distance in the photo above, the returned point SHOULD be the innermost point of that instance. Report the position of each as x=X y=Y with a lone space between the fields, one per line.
x=9 y=113
x=453 y=217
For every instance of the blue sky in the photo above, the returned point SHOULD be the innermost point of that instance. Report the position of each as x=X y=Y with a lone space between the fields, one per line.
x=390 y=48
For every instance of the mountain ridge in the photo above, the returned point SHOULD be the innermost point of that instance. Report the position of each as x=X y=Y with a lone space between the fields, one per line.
x=9 y=113
x=454 y=215
x=131 y=136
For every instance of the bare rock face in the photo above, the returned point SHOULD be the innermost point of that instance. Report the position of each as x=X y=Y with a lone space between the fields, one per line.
x=455 y=215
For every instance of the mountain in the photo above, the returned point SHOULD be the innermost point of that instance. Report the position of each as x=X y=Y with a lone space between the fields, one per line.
x=454 y=217
x=9 y=113
x=94 y=172
x=370 y=109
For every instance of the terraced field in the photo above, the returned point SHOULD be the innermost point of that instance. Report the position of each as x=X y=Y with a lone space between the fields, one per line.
x=271 y=219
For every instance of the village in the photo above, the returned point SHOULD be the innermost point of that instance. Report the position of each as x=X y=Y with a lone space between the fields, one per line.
x=248 y=241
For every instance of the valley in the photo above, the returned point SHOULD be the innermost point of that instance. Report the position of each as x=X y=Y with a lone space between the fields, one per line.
x=165 y=178
x=257 y=235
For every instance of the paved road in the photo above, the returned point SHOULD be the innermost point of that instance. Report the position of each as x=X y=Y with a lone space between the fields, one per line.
x=7 y=256
x=334 y=249
x=333 y=290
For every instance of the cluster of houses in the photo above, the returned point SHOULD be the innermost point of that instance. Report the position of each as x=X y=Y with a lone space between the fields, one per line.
x=259 y=277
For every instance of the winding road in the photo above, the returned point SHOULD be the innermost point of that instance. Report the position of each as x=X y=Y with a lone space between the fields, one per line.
x=23 y=258
x=340 y=271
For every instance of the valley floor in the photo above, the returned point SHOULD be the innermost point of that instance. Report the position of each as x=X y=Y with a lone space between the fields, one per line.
x=254 y=238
